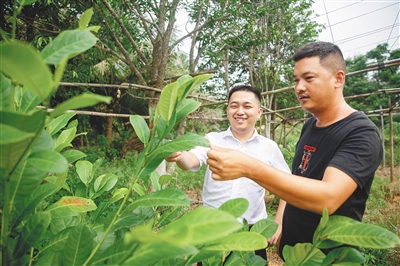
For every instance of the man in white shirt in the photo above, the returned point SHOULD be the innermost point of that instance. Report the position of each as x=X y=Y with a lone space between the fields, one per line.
x=243 y=111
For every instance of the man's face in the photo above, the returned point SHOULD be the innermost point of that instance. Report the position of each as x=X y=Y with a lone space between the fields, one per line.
x=314 y=85
x=243 y=111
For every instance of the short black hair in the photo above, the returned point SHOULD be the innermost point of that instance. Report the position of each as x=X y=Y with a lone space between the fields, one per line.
x=330 y=55
x=244 y=88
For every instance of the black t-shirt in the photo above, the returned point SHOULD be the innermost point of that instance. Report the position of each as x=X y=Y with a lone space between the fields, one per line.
x=351 y=145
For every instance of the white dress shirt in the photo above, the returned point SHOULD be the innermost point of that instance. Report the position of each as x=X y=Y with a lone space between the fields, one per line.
x=217 y=192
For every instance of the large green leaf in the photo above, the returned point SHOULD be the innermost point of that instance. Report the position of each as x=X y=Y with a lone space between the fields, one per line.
x=84 y=170
x=80 y=101
x=169 y=215
x=207 y=225
x=25 y=100
x=68 y=43
x=49 y=161
x=50 y=259
x=239 y=241
x=10 y=154
x=148 y=254
x=10 y=134
x=28 y=205
x=104 y=183
x=65 y=138
x=344 y=256
x=5 y=90
x=85 y=18
x=302 y=254
x=58 y=123
x=59 y=224
x=23 y=64
x=73 y=155
x=127 y=220
x=32 y=232
x=114 y=254
x=26 y=2
x=140 y=127
x=166 y=197
x=187 y=85
x=57 y=242
x=236 y=207
x=185 y=108
x=265 y=227
x=24 y=180
x=365 y=235
x=166 y=105
x=154 y=159
x=78 y=246
x=71 y=206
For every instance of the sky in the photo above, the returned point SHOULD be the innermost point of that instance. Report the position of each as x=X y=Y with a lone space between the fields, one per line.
x=358 y=26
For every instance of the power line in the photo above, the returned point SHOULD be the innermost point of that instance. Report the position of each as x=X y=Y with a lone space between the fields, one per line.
x=365 y=34
x=394 y=22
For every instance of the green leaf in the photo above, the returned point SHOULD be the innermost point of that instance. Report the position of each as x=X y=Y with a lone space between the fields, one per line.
x=58 y=123
x=164 y=180
x=22 y=63
x=113 y=254
x=10 y=154
x=25 y=100
x=189 y=85
x=28 y=205
x=154 y=159
x=32 y=232
x=186 y=107
x=57 y=242
x=78 y=246
x=50 y=259
x=166 y=105
x=73 y=155
x=24 y=180
x=64 y=139
x=303 y=254
x=5 y=90
x=49 y=161
x=59 y=224
x=85 y=18
x=244 y=241
x=265 y=227
x=58 y=73
x=344 y=256
x=236 y=207
x=26 y=2
x=155 y=177
x=68 y=44
x=127 y=220
x=108 y=182
x=168 y=216
x=11 y=134
x=166 y=197
x=119 y=194
x=80 y=101
x=321 y=235
x=139 y=189
x=148 y=254
x=71 y=206
x=140 y=127
x=365 y=235
x=84 y=170
x=207 y=225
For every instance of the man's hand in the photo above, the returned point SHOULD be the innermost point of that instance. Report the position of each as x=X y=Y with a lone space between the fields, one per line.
x=226 y=164
x=175 y=157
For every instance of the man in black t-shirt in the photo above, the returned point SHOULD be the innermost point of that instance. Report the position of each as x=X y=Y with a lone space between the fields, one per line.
x=336 y=156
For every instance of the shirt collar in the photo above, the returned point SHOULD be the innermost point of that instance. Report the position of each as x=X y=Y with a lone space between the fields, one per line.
x=228 y=133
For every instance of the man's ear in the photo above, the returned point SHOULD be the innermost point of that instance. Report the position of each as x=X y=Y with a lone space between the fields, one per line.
x=259 y=113
x=340 y=77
